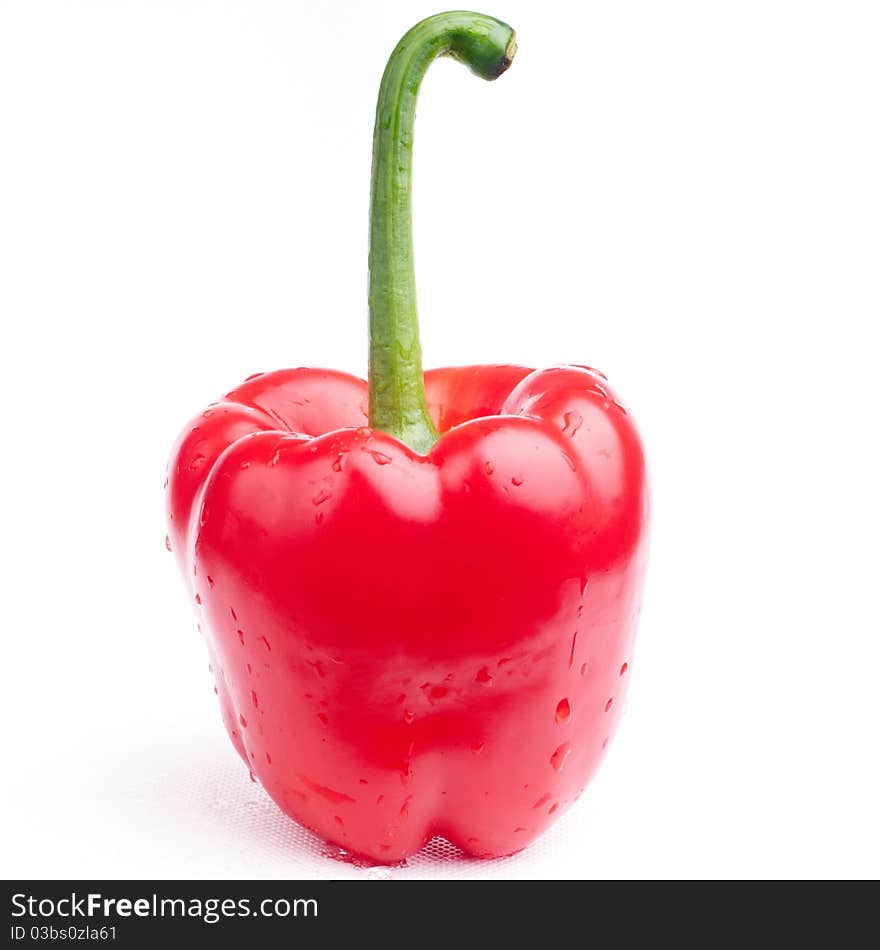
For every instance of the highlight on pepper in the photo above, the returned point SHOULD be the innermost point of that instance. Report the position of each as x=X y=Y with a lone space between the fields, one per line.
x=419 y=592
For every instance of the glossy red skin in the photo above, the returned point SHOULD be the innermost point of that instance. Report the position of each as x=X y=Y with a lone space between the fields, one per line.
x=407 y=646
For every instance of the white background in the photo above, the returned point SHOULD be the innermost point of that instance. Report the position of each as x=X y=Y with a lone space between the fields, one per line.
x=683 y=194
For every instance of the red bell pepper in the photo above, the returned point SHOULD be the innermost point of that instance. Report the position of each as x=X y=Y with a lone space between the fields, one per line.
x=419 y=594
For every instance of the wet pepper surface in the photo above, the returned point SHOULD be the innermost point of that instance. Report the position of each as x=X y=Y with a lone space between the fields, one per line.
x=410 y=645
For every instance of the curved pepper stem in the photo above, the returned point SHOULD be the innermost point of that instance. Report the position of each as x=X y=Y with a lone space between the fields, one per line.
x=397 y=387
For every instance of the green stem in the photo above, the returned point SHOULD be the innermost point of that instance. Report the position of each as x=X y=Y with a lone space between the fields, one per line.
x=397 y=387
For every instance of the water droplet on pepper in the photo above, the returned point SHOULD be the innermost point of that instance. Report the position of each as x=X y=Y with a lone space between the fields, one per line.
x=563 y=711
x=557 y=760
